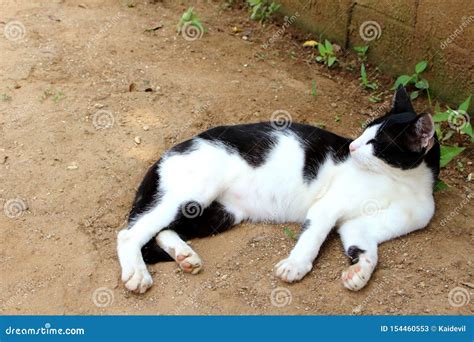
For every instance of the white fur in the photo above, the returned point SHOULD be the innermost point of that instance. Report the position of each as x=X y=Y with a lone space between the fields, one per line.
x=369 y=200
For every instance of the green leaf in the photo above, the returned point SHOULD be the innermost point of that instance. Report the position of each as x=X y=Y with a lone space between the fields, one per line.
x=289 y=233
x=328 y=45
x=465 y=105
x=420 y=67
x=361 y=49
x=363 y=73
x=467 y=129
x=422 y=84
x=319 y=58
x=402 y=80
x=440 y=185
x=448 y=153
x=188 y=14
x=331 y=60
x=414 y=94
x=322 y=49
x=441 y=116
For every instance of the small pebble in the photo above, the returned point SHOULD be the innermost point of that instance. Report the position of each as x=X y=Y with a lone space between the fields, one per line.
x=137 y=140
x=73 y=166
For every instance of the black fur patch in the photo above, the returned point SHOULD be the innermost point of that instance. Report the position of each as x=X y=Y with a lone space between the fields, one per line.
x=353 y=253
x=318 y=144
x=253 y=142
x=147 y=194
x=185 y=147
x=212 y=220
x=305 y=226
x=395 y=140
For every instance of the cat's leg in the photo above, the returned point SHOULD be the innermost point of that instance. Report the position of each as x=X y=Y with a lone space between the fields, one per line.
x=320 y=219
x=361 y=247
x=361 y=236
x=187 y=259
x=146 y=226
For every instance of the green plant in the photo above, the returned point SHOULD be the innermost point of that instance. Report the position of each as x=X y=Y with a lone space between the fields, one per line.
x=457 y=121
x=416 y=80
x=361 y=52
x=449 y=123
x=313 y=88
x=291 y=234
x=55 y=94
x=364 y=81
x=326 y=54
x=261 y=10
x=5 y=97
x=189 y=17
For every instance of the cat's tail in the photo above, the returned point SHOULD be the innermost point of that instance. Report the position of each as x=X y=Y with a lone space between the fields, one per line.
x=152 y=253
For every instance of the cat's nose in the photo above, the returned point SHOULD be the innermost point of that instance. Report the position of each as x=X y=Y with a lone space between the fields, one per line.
x=352 y=148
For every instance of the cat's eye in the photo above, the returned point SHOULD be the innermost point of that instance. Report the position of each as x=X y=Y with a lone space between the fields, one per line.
x=371 y=141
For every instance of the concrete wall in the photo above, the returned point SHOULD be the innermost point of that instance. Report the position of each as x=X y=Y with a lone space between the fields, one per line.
x=404 y=33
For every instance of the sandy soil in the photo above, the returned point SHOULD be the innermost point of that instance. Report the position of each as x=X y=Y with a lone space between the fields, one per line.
x=72 y=73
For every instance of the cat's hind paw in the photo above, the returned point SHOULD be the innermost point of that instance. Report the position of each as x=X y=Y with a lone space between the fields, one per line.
x=189 y=262
x=357 y=275
x=290 y=270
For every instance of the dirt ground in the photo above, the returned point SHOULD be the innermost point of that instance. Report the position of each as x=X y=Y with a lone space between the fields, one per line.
x=90 y=99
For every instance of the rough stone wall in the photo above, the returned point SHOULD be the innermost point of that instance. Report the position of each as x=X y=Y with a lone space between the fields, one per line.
x=401 y=33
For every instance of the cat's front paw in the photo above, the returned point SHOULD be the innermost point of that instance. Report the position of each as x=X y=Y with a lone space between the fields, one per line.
x=357 y=275
x=134 y=272
x=137 y=278
x=290 y=270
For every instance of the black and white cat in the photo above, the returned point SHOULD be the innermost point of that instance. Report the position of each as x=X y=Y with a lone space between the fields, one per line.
x=375 y=188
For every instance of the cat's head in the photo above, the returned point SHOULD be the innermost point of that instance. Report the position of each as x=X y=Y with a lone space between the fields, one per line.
x=400 y=139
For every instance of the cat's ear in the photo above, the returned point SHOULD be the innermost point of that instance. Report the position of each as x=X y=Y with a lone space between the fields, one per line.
x=421 y=134
x=401 y=102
